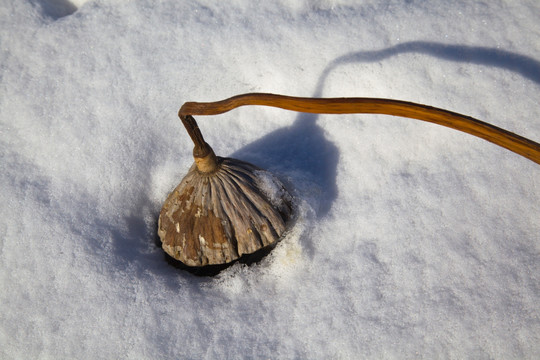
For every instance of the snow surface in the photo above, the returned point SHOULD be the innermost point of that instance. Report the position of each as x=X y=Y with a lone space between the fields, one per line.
x=413 y=240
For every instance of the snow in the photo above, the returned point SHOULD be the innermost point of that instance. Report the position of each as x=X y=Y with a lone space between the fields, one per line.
x=273 y=189
x=412 y=240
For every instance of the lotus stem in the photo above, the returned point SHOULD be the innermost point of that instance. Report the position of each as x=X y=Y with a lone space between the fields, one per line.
x=360 y=105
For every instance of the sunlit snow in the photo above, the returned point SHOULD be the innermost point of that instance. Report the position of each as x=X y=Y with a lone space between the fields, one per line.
x=411 y=240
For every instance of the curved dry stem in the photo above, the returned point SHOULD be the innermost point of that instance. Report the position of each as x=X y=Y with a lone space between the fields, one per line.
x=513 y=142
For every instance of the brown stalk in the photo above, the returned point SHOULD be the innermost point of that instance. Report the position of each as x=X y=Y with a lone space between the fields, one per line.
x=494 y=134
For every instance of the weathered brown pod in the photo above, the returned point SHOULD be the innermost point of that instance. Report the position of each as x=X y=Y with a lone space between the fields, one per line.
x=216 y=215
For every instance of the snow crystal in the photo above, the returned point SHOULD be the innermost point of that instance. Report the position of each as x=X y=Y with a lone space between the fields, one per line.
x=272 y=188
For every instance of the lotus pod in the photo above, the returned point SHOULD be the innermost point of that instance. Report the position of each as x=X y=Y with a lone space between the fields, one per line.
x=215 y=217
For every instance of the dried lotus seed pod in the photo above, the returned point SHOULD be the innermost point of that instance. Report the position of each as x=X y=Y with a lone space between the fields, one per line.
x=222 y=209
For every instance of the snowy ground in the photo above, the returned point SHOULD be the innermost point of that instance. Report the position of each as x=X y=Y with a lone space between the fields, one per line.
x=414 y=241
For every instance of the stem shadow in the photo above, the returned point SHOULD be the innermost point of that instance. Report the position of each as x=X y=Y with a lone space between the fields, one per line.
x=303 y=145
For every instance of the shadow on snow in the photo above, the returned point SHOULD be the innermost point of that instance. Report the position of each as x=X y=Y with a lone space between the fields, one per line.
x=303 y=147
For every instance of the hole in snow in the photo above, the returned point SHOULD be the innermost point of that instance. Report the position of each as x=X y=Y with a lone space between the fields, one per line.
x=59 y=8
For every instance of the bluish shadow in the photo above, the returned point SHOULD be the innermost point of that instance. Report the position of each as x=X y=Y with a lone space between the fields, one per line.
x=303 y=145
x=56 y=9
x=524 y=65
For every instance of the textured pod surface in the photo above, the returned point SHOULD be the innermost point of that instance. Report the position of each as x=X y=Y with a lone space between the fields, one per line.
x=214 y=218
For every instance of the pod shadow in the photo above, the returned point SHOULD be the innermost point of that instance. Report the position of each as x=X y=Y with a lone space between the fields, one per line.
x=303 y=149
